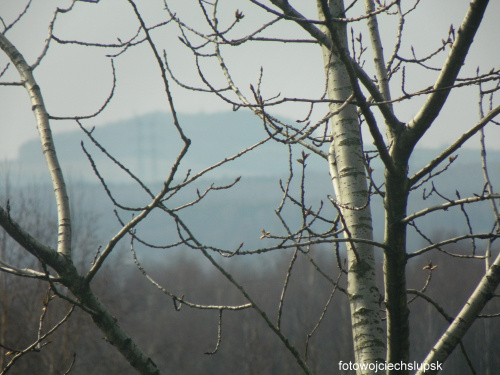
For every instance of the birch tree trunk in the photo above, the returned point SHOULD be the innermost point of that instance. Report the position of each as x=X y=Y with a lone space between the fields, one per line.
x=60 y=261
x=42 y=120
x=347 y=171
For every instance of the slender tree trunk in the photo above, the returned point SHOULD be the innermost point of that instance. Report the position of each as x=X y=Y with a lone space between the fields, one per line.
x=43 y=126
x=398 y=331
x=347 y=171
x=60 y=260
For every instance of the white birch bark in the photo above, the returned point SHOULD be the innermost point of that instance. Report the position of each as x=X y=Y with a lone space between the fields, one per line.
x=43 y=126
x=61 y=261
x=349 y=181
x=378 y=51
x=378 y=55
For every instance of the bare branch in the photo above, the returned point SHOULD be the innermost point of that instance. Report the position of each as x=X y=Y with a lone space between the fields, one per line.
x=322 y=316
x=99 y=111
x=436 y=305
x=12 y=24
x=285 y=287
x=434 y=103
x=25 y=272
x=49 y=37
x=219 y=335
x=35 y=346
x=455 y=146
x=449 y=204
x=439 y=244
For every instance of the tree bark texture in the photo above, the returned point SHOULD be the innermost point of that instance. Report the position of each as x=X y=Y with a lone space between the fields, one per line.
x=347 y=171
x=60 y=261
x=43 y=126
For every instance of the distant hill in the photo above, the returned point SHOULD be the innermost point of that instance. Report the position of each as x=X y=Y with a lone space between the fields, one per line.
x=148 y=145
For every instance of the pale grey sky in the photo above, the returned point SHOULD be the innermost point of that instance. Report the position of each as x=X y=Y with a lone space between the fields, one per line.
x=75 y=80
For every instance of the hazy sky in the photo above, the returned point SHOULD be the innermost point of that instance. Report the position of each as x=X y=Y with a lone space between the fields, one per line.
x=76 y=80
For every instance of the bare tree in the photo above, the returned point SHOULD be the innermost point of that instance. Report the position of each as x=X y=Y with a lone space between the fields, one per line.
x=331 y=131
